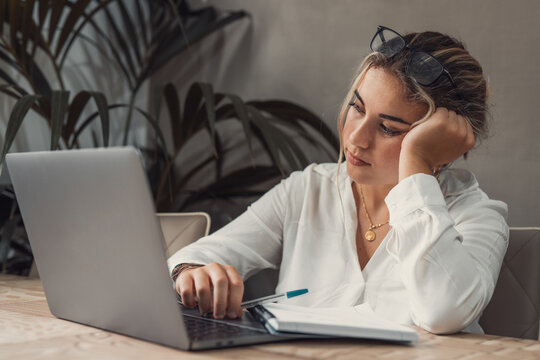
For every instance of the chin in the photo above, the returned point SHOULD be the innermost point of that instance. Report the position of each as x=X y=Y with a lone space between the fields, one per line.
x=359 y=175
x=366 y=176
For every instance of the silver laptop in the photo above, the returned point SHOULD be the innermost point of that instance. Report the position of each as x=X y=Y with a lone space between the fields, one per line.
x=100 y=252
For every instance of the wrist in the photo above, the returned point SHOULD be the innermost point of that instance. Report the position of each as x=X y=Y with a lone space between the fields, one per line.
x=178 y=269
x=410 y=165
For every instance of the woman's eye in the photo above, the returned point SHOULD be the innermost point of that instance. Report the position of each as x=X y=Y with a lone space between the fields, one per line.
x=390 y=132
x=358 y=108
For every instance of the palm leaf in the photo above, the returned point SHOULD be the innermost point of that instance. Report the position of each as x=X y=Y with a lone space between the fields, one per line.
x=132 y=36
x=242 y=115
x=76 y=108
x=153 y=123
x=207 y=23
x=103 y=110
x=74 y=116
x=59 y=102
x=235 y=184
x=267 y=136
x=293 y=112
x=4 y=9
x=173 y=105
x=75 y=14
x=14 y=123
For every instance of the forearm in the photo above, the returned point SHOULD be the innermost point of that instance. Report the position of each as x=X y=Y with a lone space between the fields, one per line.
x=410 y=164
x=449 y=270
x=244 y=243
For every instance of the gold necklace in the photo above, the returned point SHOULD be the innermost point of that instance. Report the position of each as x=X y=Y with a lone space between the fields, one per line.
x=370 y=234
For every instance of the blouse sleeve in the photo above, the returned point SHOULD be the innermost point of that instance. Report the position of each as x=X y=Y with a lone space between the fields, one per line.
x=449 y=254
x=251 y=242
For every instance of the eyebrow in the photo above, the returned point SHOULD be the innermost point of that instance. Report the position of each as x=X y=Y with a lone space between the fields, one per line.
x=384 y=116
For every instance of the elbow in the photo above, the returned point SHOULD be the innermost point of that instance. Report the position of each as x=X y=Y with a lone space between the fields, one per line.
x=448 y=318
x=447 y=323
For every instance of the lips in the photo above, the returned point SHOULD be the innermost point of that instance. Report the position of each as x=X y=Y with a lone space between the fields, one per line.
x=353 y=160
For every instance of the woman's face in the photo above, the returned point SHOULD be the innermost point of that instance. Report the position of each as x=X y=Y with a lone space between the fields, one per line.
x=375 y=126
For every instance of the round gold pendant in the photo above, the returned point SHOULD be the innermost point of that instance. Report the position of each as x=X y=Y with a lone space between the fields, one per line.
x=369 y=235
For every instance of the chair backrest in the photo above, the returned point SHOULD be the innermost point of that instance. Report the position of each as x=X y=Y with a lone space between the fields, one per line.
x=181 y=229
x=514 y=309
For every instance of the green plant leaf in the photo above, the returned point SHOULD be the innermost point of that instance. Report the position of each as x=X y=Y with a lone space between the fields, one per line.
x=236 y=184
x=76 y=108
x=57 y=8
x=267 y=136
x=146 y=116
x=42 y=12
x=74 y=15
x=242 y=115
x=103 y=110
x=160 y=203
x=173 y=105
x=4 y=9
x=74 y=113
x=219 y=157
x=121 y=44
x=59 y=103
x=14 y=16
x=196 y=116
x=14 y=123
x=291 y=112
x=191 y=107
x=76 y=32
x=168 y=44
x=26 y=25
x=141 y=23
x=130 y=31
x=209 y=104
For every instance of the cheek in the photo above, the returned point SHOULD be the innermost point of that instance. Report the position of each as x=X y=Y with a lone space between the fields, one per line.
x=392 y=151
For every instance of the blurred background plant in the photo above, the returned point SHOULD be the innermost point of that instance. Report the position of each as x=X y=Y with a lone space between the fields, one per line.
x=138 y=38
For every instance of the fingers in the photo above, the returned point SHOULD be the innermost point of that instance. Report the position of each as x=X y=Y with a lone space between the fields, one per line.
x=236 y=291
x=464 y=130
x=220 y=283
x=441 y=139
x=185 y=288
x=214 y=287
x=202 y=290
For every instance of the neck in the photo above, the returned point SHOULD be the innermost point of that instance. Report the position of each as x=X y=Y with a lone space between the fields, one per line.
x=374 y=197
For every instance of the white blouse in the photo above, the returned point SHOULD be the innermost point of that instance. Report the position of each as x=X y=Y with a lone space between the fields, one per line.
x=436 y=268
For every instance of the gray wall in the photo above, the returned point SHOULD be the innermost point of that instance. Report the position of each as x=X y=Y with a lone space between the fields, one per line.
x=306 y=51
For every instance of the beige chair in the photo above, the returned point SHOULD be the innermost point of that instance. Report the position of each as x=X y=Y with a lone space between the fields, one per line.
x=181 y=229
x=514 y=309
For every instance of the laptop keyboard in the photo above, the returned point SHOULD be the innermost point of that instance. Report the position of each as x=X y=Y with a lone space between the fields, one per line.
x=206 y=329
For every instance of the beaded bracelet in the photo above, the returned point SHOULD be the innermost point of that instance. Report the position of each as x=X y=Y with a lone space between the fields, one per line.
x=181 y=267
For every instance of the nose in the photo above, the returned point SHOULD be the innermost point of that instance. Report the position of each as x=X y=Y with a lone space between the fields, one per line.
x=361 y=134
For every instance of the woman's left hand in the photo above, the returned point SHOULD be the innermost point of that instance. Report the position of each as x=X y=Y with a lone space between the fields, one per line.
x=441 y=139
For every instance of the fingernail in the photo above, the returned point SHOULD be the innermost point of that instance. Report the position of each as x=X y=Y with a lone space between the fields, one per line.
x=231 y=314
x=218 y=316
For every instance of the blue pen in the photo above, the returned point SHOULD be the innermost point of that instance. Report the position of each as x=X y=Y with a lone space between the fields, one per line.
x=272 y=298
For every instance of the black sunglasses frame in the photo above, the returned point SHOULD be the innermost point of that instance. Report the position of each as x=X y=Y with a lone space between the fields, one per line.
x=443 y=70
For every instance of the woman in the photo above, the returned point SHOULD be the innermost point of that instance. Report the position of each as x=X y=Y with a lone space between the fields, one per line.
x=394 y=226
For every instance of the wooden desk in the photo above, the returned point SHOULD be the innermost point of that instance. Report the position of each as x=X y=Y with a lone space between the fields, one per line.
x=29 y=331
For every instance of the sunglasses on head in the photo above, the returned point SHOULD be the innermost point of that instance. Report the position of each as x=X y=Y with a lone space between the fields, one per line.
x=421 y=66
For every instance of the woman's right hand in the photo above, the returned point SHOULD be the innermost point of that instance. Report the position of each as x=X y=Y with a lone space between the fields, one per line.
x=215 y=288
